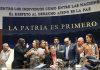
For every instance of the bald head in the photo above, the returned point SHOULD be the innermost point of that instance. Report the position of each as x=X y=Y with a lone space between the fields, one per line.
x=80 y=41
x=5 y=46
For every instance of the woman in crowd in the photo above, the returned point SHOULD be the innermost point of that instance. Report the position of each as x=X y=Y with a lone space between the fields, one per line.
x=43 y=49
x=33 y=54
x=91 y=48
x=52 y=58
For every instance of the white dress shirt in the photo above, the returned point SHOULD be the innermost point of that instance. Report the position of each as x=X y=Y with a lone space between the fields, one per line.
x=5 y=55
x=67 y=50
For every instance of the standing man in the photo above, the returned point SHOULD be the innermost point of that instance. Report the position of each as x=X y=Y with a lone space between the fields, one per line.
x=19 y=52
x=70 y=53
x=59 y=47
x=80 y=46
x=4 y=55
x=57 y=44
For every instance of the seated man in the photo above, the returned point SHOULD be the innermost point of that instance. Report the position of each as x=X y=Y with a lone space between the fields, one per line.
x=4 y=55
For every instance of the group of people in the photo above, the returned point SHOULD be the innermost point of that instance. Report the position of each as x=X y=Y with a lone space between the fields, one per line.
x=52 y=56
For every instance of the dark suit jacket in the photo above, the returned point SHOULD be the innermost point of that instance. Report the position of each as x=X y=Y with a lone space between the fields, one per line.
x=59 y=47
x=72 y=54
x=19 y=57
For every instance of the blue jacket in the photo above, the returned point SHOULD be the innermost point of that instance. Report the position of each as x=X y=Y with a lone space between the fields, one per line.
x=73 y=55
